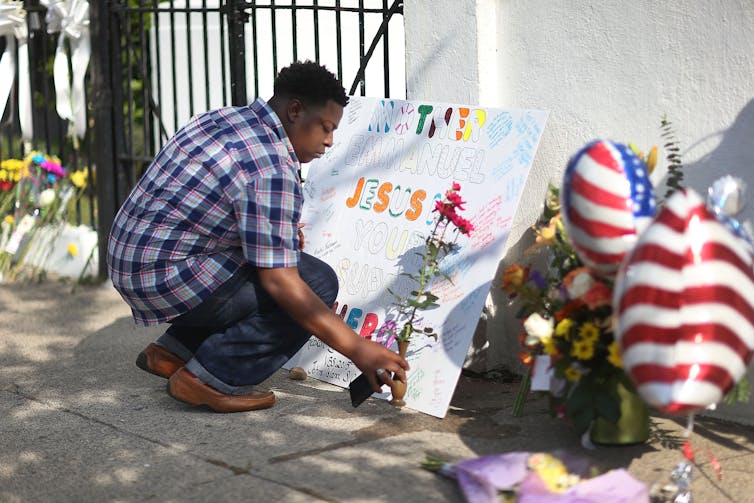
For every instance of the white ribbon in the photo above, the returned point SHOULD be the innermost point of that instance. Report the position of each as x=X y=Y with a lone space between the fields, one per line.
x=13 y=28
x=71 y=19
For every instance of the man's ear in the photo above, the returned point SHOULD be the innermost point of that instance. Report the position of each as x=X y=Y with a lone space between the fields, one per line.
x=294 y=109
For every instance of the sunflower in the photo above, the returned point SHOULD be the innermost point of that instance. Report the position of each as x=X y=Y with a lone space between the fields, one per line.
x=589 y=332
x=582 y=349
x=614 y=355
x=572 y=374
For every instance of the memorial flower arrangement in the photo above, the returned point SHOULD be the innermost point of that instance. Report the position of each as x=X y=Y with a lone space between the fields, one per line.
x=36 y=193
x=567 y=315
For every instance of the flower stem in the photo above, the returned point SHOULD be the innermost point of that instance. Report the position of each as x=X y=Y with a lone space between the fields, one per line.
x=523 y=391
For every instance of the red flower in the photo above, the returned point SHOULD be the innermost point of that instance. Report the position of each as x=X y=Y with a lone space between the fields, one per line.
x=6 y=186
x=567 y=309
x=598 y=295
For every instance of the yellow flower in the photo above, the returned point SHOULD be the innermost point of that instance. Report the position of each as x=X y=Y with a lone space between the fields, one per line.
x=572 y=374
x=513 y=277
x=551 y=471
x=589 y=332
x=12 y=164
x=563 y=328
x=78 y=178
x=9 y=219
x=583 y=349
x=651 y=159
x=73 y=250
x=614 y=356
x=4 y=175
x=549 y=346
x=545 y=235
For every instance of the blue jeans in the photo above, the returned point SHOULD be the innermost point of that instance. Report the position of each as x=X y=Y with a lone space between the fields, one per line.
x=239 y=336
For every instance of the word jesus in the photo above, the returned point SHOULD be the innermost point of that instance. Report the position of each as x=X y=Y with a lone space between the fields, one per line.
x=370 y=194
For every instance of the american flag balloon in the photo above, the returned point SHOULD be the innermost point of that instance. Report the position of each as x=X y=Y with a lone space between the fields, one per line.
x=607 y=201
x=684 y=301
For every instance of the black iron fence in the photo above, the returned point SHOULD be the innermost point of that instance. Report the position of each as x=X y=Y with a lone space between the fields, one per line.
x=154 y=64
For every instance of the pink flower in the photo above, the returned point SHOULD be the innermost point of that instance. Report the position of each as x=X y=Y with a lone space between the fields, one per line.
x=446 y=210
x=455 y=199
x=54 y=168
x=463 y=225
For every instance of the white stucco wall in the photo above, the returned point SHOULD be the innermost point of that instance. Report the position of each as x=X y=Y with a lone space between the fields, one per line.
x=607 y=69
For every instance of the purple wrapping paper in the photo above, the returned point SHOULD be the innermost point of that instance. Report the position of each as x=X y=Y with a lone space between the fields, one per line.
x=616 y=486
x=481 y=479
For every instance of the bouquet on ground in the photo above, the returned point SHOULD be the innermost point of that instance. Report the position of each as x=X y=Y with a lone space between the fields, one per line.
x=528 y=477
x=36 y=194
x=567 y=318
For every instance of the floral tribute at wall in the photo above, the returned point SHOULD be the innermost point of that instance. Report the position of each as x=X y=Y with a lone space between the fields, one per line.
x=629 y=304
x=37 y=197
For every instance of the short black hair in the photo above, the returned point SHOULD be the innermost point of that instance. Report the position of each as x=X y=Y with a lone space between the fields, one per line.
x=309 y=82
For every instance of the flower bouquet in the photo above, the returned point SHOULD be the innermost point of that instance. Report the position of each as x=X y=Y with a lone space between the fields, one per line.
x=566 y=307
x=36 y=194
x=529 y=477
x=567 y=319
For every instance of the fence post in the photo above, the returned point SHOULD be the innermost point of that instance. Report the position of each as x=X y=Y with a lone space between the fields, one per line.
x=236 y=20
x=104 y=155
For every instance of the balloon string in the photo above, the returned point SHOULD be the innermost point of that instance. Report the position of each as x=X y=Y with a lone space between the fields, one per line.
x=689 y=426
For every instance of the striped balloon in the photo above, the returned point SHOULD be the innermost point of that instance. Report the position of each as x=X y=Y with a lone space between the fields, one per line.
x=607 y=201
x=684 y=300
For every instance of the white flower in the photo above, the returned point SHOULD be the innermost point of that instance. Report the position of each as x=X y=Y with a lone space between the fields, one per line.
x=538 y=327
x=580 y=285
x=46 y=197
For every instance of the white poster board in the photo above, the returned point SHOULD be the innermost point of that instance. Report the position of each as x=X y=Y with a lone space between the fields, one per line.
x=368 y=209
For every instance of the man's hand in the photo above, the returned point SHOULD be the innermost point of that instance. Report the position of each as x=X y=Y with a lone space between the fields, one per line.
x=290 y=292
x=370 y=356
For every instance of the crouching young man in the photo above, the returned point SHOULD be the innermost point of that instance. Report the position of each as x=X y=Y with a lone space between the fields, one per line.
x=209 y=241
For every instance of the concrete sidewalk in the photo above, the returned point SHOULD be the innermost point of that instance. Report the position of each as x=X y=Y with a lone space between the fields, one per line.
x=79 y=422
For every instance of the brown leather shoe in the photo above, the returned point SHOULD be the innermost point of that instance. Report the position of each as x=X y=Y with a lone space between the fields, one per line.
x=159 y=361
x=184 y=386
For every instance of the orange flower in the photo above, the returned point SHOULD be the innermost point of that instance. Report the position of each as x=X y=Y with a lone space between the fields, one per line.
x=525 y=357
x=545 y=235
x=513 y=277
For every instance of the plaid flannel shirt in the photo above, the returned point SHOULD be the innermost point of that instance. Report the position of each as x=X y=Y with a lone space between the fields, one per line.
x=224 y=191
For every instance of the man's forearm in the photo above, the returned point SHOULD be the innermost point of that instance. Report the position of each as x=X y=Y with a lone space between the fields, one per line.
x=290 y=292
